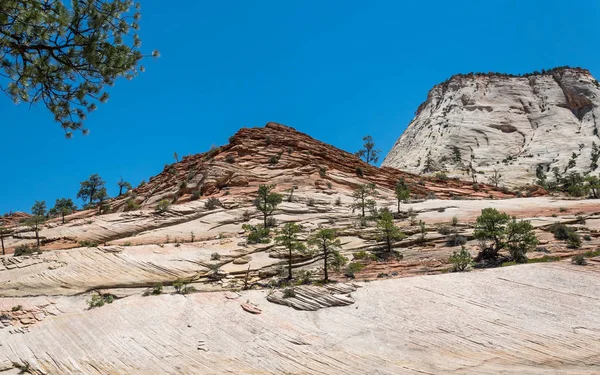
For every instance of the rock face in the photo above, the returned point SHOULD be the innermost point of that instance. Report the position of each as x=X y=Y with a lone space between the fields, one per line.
x=515 y=124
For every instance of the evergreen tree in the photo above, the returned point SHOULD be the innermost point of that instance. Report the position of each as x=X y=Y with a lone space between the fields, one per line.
x=267 y=201
x=37 y=219
x=39 y=208
x=63 y=53
x=3 y=233
x=388 y=231
x=288 y=238
x=122 y=184
x=89 y=189
x=369 y=153
x=362 y=199
x=326 y=242
x=63 y=207
x=402 y=192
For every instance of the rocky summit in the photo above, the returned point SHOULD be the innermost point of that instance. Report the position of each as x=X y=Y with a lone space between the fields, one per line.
x=477 y=125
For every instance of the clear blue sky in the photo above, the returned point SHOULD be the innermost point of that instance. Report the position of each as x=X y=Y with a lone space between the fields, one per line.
x=336 y=70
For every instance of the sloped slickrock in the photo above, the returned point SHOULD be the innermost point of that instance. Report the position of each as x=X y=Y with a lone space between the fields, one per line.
x=532 y=319
x=510 y=123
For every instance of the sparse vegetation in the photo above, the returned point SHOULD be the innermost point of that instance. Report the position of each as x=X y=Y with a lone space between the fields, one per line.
x=212 y=203
x=338 y=201
x=326 y=242
x=267 y=201
x=288 y=238
x=99 y=300
x=230 y=158
x=460 y=260
x=368 y=153
x=387 y=231
x=352 y=268
x=402 y=192
x=362 y=198
x=579 y=260
x=215 y=256
x=196 y=194
x=257 y=234
x=359 y=172
x=322 y=172
x=163 y=206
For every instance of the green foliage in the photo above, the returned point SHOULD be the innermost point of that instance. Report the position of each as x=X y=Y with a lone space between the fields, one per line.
x=288 y=238
x=455 y=240
x=131 y=204
x=402 y=192
x=257 y=234
x=573 y=240
x=520 y=239
x=16 y=308
x=460 y=260
x=86 y=243
x=594 y=155
x=122 y=184
x=359 y=172
x=273 y=160
x=362 y=200
x=155 y=291
x=212 y=203
x=454 y=221
x=326 y=242
x=163 y=206
x=369 y=153
x=456 y=154
x=196 y=194
x=34 y=223
x=182 y=286
x=441 y=176
x=98 y=300
x=63 y=207
x=311 y=202
x=387 y=231
x=90 y=189
x=364 y=255
x=503 y=232
x=267 y=201
x=24 y=250
x=230 y=158
x=338 y=201
x=495 y=178
x=322 y=171
x=289 y=292
x=65 y=53
x=579 y=260
x=352 y=268
x=560 y=231
x=39 y=208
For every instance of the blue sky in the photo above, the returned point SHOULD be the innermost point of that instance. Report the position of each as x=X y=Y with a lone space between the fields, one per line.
x=336 y=70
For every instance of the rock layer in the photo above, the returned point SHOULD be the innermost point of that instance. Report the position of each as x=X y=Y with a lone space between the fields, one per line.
x=510 y=123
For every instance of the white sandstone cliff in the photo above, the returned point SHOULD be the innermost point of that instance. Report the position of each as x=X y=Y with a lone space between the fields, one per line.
x=509 y=123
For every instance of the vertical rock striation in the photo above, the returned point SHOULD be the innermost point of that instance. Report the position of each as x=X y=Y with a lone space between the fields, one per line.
x=515 y=124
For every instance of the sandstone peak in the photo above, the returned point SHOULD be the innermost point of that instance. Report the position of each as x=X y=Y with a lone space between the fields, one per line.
x=516 y=124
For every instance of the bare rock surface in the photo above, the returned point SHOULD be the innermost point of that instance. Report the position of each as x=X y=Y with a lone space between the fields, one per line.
x=513 y=124
x=507 y=320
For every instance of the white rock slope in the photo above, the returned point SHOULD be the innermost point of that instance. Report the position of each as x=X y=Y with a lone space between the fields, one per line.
x=509 y=123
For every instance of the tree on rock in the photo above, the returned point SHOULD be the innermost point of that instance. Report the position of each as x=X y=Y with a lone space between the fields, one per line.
x=362 y=198
x=89 y=189
x=495 y=178
x=63 y=207
x=64 y=53
x=326 y=242
x=267 y=201
x=402 y=192
x=37 y=219
x=388 y=231
x=288 y=238
x=369 y=153
x=3 y=233
x=497 y=230
x=122 y=184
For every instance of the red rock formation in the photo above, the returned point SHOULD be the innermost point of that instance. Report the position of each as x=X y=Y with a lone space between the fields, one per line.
x=280 y=155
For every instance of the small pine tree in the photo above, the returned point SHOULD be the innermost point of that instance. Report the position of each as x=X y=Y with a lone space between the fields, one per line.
x=122 y=184
x=402 y=192
x=326 y=242
x=369 y=153
x=288 y=238
x=267 y=201
x=388 y=231
x=362 y=200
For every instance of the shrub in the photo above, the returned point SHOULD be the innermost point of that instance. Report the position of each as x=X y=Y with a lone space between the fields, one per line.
x=587 y=237
x=196 y=194
x=181 y=287
x=156 y=290
x=289 y=293
x=329 y=185
x=212 y=203
x=322 y=171
x=246 y=215
x=475 y=186
x=183 y=185
x=131 y=205
x=311 y=202
x=454 y=221
x=562 y=209
x=215 y=256
x=338 y=201
x=273 y=160
x=271 y=221
x=455 y=240
x=257 y=234
x=16 y=308
x=579 y=260
x=163 y=206
x=352 y=268
x=573 y=240
x=580 y=219
x=99 y=300
x=24 y=250
x=359 y=172
x=445 y=230
x=460 y=260
x=364 y=255
x=560 y=231
x=441 y=176
x=86 y=243
x=230 y=159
